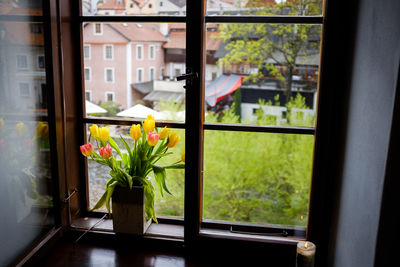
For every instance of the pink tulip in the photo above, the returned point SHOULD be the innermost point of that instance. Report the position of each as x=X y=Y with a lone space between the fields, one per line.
x=105 y=152
x=152 y=138
x=87 y=149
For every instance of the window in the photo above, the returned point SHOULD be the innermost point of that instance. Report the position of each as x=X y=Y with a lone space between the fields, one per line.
x=88 y=95
x=257 y=163
x=41 y=63
x=109 y=74
x=98 y=29
x=110 y=96
x=24 y=89
x=22 y=62
x=88 y=74
x=152 y=73
x=108 y=51
x=139 y=52
x=177 y=72
x=161 y=3
x=162 y=71
x=152 y=52
x=139 y=75
x=86 y=51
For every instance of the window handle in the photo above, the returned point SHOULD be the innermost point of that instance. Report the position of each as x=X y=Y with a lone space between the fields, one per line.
x=187 y=76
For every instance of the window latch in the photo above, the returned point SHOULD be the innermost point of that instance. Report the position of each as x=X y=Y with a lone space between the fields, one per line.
x=187 y=76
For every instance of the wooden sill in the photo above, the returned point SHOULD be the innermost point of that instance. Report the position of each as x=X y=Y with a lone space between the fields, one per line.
x=163 y=231
x=176 y=232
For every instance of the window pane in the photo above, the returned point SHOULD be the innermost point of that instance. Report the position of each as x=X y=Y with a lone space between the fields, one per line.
x=136 y=78
x=264 y=7
x=265 y=74
x=259 y=178
x=86 y=51
x=134 y=8
x=167 y=205
x=26 y=182
x=109 y=52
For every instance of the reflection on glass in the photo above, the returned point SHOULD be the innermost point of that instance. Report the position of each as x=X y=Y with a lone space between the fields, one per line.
x=25 y=177
x=134 y=8
x=264 y=74
x=167 y=205
x=264 y=7
x=130 y=70
x=257 y=177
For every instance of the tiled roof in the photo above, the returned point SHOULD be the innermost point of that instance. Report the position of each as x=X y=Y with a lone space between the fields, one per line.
x=111 y=5
x=212 y=42
x=176 y=40
x=139 y=32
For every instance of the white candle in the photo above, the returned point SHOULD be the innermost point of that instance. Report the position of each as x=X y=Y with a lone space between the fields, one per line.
x=305 y=254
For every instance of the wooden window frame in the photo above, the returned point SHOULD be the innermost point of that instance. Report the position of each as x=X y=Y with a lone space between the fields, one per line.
x=194 y=125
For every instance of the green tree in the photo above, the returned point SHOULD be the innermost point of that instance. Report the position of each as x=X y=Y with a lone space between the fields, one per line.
x=274 y=49
x=111 y=107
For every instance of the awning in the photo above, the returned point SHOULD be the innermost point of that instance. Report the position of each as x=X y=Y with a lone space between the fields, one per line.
x=139 y=111
x=93 y=108
x=221 y=87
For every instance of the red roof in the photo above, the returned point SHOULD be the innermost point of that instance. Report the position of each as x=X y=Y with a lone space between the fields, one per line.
x=177 y=39
x=20 y=33
x=139 y=32
x=111 y=4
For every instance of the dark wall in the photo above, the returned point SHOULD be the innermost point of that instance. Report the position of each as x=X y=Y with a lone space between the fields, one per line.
x=370 y=111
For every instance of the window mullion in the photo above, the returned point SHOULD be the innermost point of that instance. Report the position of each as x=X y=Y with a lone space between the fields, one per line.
x=195 y=47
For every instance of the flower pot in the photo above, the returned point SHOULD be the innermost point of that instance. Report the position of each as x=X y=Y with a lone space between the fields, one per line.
x=128 y=211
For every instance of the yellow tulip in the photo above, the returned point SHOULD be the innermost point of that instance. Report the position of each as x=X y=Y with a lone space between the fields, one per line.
x=94 y=130
x=183 y=156
x=150 y=117
x=20 y=128
x=42 y=130
x=164 y=133
x=135 y=131
x=148 y=125
x=104 y=134
x=173 y=139
x=1 y=124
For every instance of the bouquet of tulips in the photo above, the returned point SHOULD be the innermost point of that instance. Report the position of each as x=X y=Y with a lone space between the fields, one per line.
x=133 y=167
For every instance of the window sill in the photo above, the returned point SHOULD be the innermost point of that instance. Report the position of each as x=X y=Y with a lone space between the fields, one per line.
x=225 y=234
x=176 y=232
x=155 y=231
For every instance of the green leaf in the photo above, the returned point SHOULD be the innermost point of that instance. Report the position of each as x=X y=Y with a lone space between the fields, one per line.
x=175 y=166
x=149 y=200
x=160 y=175
x=110 y=191
x=101 y=202
x=115 y=146
x=125 y=160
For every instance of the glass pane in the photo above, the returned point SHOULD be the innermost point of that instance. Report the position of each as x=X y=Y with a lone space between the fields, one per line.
x=26 y=183
x=259 y=178
x=264 y=7
x=264 y=74
x=166 y=205
x=141 y=72
x=134 y=8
